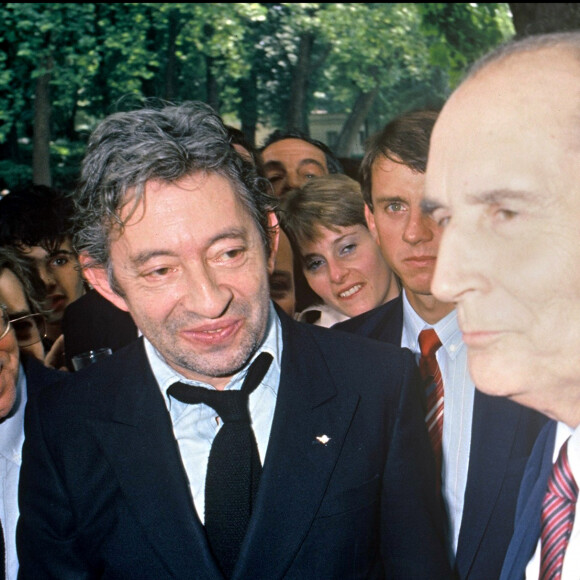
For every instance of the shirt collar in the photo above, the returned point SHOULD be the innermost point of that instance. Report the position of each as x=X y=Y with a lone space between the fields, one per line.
x=447 y=329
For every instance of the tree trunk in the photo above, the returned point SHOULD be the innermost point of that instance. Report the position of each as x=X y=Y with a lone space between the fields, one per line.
x=297 y=109
x=538 y=18
x=170 y=70
x=41 y=136
x=350 y=130
x=248 y=109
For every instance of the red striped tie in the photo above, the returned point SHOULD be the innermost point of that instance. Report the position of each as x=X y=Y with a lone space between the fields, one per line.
x=557 y=517
x=433 y=382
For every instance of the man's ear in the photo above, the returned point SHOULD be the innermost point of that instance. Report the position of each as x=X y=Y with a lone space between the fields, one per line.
x=98 y=278
x=370 y=217
x=274 y=227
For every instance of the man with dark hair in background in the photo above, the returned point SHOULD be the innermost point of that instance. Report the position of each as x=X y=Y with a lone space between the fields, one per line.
x=289 y=159
x=480 y=442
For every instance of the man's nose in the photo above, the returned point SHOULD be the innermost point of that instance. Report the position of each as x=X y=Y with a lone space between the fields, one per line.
x=418 y=228
x=47 y=276
x=204 y=294
x=456 y=272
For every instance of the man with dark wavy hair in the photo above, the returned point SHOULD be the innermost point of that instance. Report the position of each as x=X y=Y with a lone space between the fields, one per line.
x=128 y=473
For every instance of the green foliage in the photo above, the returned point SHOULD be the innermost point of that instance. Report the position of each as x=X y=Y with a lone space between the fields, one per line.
x=461 y=33
x=105 y=57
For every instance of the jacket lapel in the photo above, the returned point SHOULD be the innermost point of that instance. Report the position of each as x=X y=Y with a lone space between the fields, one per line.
x=494 y=428
x=137 y=440
x=299 y=460
x=528 y=515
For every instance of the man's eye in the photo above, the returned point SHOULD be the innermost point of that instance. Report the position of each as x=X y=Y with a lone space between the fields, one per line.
x=274 y=178
x=506 y=214
x=59 y=261
x=280 y=284
x=395 y=206
x=229 y=256
x=159 y=272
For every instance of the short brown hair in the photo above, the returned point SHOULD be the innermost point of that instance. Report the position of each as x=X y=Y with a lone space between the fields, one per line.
x=403 y=140
x=329 y=201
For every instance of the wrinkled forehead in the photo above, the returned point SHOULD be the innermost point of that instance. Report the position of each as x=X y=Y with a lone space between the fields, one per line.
x=293 y=152
x=514 y=124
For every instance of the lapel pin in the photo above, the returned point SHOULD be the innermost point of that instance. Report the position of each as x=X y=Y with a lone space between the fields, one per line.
x=324 y=439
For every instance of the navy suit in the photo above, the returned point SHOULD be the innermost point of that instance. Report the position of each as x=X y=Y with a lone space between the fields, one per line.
x=104 y=493
x=529 y=508
x=92 y=322
x=38 y=375
x=503 y=434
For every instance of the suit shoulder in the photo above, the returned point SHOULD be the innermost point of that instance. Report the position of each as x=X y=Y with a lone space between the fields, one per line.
x=98 y=383
x=357 y=351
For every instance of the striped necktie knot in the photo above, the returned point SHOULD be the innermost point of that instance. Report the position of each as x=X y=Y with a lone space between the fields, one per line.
x=429 y=343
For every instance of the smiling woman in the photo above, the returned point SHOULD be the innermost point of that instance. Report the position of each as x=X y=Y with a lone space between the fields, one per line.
x=342 y=263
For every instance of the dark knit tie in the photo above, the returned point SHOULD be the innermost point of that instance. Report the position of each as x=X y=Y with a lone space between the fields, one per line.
x=234 y=467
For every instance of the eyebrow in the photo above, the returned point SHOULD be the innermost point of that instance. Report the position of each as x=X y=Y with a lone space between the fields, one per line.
x=56 y=252
x=309 y=161
x=269 y=165
x=428 y=206
x=497 y=195
x=389 y=199
x=142 y=258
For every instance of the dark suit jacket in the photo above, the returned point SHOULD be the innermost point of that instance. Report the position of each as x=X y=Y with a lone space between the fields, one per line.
x=529 y=508
x=38 y=375
x=104 y=493
x=92 y=322
x=502 y=436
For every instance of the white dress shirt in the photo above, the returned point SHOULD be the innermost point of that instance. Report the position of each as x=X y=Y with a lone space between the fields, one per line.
x=571 y=567
x=195 y=426
x=11 y=440
x=459 y=392
x=328 y=316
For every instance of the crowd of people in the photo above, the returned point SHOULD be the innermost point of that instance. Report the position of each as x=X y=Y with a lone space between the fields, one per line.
x=311 y=375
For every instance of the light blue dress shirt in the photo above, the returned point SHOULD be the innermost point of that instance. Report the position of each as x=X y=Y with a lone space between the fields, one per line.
x=195 y=426
x=459 y=392
x=11 y=440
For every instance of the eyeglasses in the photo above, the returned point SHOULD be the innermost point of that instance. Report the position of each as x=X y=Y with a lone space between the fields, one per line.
x=29 y=329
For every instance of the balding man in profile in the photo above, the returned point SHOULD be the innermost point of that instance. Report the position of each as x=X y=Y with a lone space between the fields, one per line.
x=503 y=178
